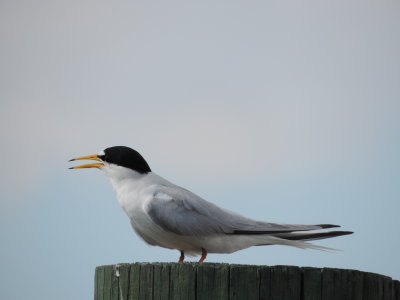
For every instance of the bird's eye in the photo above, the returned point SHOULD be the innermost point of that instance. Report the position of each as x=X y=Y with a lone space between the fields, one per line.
x=103 y=157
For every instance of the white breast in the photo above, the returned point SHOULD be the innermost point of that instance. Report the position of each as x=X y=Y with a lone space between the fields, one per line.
x=133 y=191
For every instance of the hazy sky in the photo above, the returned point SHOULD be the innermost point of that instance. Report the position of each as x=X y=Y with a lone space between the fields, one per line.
x=284 y=111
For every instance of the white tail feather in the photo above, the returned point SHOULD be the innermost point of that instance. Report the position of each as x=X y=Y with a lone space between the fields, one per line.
x=298 y=244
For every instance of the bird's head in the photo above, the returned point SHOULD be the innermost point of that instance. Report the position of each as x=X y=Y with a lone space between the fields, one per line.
x=116 y=156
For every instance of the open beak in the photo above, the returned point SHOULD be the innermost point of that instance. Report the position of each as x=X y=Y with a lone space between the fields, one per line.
x=89 y=157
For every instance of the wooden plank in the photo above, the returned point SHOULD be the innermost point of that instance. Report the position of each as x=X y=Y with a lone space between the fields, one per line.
x=336 y=284
x=373 y=286
x=243 y=282
x=183 y=281
x=264 y=274
x=95 y=283
x=134 y=277
x=285 y=283
x=146 y=282
x=212 y=282
x=387 y=288
x=99 y=282
x=357 y=284
x=312 y=284
x=108 y=270
x=115 y=282
x=396 y=290
x=161 y=281
x=124 y=270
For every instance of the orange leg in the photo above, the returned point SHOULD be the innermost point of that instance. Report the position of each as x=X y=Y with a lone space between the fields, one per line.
x=203 y=255
x=182 y=257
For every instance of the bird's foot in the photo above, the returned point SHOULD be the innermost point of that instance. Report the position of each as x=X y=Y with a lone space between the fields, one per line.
x=182 y=257
x=203 y=255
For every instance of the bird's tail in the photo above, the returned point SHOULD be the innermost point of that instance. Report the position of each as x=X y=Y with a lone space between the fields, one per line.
x=300 y=239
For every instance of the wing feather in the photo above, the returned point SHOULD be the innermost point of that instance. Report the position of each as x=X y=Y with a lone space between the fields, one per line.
x=180 y=211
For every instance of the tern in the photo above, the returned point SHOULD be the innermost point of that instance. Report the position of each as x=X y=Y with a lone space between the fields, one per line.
x=166 y=215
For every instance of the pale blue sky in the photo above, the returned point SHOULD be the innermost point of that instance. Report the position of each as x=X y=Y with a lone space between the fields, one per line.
x=284 y=111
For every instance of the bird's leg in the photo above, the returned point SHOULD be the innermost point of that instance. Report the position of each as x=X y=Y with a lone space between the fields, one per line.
x=203 y=255
x=182 y=257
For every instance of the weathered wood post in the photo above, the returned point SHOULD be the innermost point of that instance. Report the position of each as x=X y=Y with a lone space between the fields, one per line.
x=209 y=281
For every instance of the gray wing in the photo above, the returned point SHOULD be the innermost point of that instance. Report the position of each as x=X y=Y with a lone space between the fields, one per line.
x=180 y=211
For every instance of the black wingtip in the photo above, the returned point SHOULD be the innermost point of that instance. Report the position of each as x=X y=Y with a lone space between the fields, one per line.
x=347 y=232
x=324 y=226
x=315 y=236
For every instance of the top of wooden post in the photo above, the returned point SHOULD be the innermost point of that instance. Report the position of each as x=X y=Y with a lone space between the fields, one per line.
x=225 y=281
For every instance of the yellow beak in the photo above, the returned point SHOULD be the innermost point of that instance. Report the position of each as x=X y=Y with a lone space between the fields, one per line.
x=89 y=157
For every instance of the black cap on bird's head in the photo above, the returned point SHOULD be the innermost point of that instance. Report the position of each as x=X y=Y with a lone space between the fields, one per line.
x=125 y=157
x=118 y=155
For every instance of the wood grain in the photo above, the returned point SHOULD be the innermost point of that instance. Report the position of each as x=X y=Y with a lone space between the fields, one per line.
x=209 y=281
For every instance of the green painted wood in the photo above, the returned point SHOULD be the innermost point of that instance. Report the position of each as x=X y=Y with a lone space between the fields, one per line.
x=285 y=283
x=387 y=288
x=373 y=286
x=146 y=282
x=99 y=282
x=209 y=281
x=124 y=271
x=312 y=284
x=264 y=274
x=134 y=276
x=108 y=271
x=183 y=281
x=357 y=284
x=212 y=282
x=243 y=282
x=115 y=282
x=161 y=281
x=96 y=282
x=396 y=290
x=337 y=284
x=342 y=284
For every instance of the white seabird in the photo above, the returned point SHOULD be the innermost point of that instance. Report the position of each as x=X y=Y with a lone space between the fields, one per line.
x=166 y=215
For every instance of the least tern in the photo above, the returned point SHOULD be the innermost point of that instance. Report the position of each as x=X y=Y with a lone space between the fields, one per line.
x=169 y=216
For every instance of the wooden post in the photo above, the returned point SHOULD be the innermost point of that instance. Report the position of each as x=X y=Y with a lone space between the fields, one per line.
x=209 y=281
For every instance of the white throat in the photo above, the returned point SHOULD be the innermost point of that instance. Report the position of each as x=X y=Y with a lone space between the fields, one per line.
x=131 y=187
